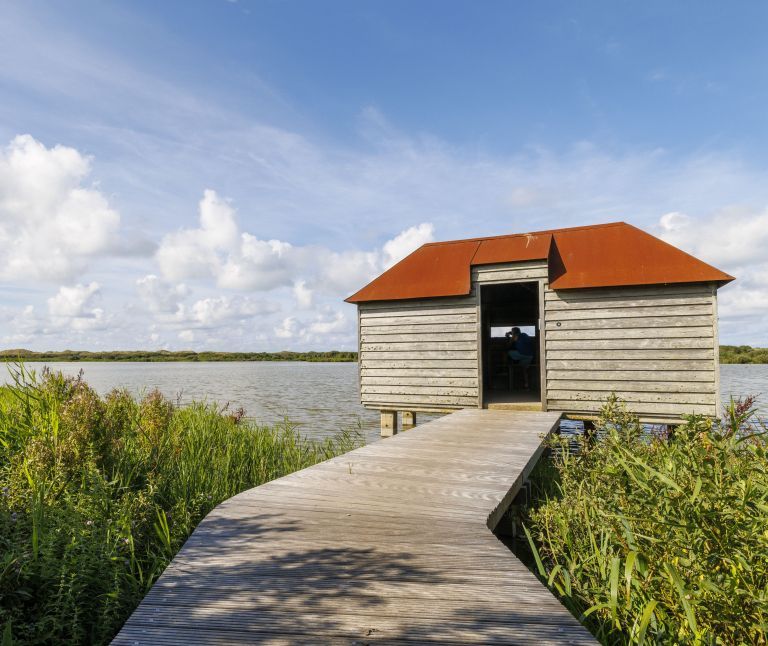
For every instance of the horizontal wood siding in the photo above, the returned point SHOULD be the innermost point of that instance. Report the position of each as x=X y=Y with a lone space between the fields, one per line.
x=517 y=272
x=655 y=347
x=419 y=355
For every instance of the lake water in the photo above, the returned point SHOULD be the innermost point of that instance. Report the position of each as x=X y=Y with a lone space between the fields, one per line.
x=321 y=397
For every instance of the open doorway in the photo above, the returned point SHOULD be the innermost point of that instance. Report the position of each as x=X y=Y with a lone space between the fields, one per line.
x=507 y=380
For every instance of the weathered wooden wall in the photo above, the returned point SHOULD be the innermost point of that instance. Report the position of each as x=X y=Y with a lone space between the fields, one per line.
x=419 y=355
x=655 y=347
x=517 y=272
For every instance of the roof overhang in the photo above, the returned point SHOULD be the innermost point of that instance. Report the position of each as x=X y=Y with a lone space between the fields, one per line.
x=606 y=255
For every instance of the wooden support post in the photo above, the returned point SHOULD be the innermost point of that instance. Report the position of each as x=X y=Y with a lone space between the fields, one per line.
x=409 y=419
x=388 y=423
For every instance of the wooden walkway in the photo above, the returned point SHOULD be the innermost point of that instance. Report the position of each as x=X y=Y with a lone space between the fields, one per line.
x=387 y=544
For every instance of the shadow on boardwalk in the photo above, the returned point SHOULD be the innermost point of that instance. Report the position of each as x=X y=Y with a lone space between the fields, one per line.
x=290 y=593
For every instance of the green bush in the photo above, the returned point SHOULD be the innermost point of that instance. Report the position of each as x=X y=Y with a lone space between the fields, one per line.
x=660 y=539
x=743 y=354
x=97 y=495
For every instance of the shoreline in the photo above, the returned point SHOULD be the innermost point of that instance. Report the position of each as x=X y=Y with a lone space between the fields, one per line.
x=140 y=356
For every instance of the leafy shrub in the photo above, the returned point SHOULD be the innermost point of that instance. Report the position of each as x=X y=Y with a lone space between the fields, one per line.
x=98 y=494
x=656 y=538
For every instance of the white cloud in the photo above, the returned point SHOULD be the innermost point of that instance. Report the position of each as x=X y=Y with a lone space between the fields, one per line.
x=217 y=249
x=288 y=328
x=406 y=242
x=50 y=223
x=302 y=294
x=208 y=312
x=72 y=302
x=73 y=307
x=237 y=260
x=733 y=239
x=160 y=296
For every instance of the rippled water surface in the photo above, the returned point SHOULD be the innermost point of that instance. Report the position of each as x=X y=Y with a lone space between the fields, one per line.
x=321 y=397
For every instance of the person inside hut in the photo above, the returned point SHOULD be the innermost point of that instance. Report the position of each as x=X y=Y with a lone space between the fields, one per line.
x=521 y=351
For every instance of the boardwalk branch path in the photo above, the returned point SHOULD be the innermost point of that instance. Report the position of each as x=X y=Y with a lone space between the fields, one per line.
x=386 y=544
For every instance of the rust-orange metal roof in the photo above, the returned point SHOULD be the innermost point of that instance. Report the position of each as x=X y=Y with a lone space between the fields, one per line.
x=604 y=255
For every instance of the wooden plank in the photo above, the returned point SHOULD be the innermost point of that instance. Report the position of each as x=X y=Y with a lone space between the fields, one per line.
x=634 y=375
x=601 y=293
x=394 y=401
x=689 y=331
x=440 y=328
x=650 y=343
x=508 y=273
x=665 y=386
x=640 y=408
x=424 y=319
x=411 y=372
x=588 y=352
x=435 y=344
x=600 y=396
x=716 y=347
x=415 y=355
x=676 y=365
x=374 y=362
x=558 y=305
x=400 y=380
x=659 y=310
x=442 y=390
x=382 y=315
x=652 y=324
x=418 y=304
x=422 y=337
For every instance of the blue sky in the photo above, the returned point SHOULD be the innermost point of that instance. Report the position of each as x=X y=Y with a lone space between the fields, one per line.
x=220 y=174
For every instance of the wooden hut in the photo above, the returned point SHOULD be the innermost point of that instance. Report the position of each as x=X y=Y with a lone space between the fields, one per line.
x=611 y=308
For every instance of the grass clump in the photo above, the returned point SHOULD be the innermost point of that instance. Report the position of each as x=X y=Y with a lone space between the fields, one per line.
x=659 y=538
x=98 y=493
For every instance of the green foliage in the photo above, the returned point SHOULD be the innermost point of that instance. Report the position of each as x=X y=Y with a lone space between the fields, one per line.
x=660 y=539
x=98 y=494
x=183 y=355
x=743 y=354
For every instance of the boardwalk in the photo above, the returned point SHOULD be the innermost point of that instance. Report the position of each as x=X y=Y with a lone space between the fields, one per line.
x=387 y=544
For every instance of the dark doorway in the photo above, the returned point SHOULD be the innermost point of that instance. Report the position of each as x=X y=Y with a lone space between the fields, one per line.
x=502 y=308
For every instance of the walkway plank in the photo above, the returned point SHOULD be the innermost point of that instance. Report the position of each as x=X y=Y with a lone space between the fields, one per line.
x=388 y=544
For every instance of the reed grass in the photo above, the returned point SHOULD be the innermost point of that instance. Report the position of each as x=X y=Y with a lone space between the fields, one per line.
x=658 y=538
x=98 y=493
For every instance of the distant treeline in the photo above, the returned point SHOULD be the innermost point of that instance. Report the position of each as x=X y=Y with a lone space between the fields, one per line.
x=743 y=354
x=183 y=355
x=728 y=354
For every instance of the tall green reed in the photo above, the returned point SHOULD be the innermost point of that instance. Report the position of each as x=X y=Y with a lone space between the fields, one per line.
x=659 y=539
x=98 y=493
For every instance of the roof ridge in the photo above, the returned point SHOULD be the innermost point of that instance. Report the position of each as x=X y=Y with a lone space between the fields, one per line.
x=529 y=233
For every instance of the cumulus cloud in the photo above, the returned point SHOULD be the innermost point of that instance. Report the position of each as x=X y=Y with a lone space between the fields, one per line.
x=734 y=239
x=404 y=243
x=51 y=224
x=160 y=296
x=322 y=327
x=74 y=307
x=238 y=260
x=302 y=294
x=217 y=249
